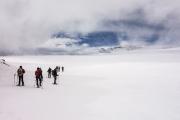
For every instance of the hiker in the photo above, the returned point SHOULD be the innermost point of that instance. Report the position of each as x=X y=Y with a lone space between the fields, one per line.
x=20 y=73
x=62 y=68
x=54 y=73
x=59 y=68
x=38 y=74
x=49 y=72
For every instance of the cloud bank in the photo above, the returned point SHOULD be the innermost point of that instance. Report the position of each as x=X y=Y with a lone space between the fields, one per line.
x=27 y=24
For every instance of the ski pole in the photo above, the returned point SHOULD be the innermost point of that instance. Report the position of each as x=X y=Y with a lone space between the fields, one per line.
x=14 y=79
x=17 y=79
x=35 y=82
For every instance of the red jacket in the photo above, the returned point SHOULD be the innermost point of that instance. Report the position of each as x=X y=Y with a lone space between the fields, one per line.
x=38 y=73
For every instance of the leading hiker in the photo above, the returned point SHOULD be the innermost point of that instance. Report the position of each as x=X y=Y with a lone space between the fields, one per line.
x=20 y=73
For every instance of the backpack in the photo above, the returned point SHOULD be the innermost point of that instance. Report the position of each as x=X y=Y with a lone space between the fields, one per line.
x=23 y=70
x=20 y=71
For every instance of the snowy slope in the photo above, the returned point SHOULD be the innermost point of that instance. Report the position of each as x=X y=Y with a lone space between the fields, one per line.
x=134 y=85
x=7 y=73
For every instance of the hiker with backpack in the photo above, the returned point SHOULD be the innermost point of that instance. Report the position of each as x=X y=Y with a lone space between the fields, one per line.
x=54 y=74
x=20 y=73
x=49 y=72
x=38 y=74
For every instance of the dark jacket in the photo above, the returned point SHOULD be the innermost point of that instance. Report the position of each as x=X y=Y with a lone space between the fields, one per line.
x=54 y=73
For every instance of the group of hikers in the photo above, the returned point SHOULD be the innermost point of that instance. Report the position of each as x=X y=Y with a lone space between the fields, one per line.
x=39 y=75
x=54 y=72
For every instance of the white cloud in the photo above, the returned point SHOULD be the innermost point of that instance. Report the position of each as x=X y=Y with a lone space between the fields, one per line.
x=27 y=23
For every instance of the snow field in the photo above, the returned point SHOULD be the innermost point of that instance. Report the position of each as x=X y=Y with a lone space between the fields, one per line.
x=129 y=86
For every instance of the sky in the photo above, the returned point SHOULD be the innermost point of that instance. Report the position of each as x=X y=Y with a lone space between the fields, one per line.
x=26 y=24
